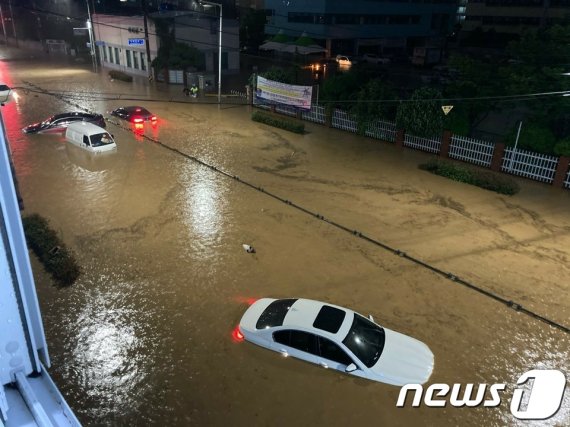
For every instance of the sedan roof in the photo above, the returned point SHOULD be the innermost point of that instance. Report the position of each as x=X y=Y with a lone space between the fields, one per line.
x=328 y=318
x=73 y=114
x=136 y=109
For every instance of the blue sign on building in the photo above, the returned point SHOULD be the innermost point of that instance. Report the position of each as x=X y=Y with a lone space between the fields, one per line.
x=136 y=42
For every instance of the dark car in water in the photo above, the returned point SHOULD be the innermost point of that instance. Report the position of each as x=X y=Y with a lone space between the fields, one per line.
x=59 y=122
x=134 y=114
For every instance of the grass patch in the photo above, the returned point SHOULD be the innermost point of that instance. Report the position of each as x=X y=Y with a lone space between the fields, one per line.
x=278 y=122
x=119 y=75
x=51 y=251
x=481 y=178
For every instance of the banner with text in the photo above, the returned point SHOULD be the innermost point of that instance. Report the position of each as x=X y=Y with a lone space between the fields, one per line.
x=281 y=93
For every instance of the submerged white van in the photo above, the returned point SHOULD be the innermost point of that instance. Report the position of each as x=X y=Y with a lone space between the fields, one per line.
x=90 y=137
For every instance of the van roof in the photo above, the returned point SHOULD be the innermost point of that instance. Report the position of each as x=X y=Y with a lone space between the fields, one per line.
x=86 y=128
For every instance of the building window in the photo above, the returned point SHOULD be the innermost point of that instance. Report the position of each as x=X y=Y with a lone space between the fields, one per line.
x=143 y=61
x=136 y=61
x=117 y=56
x=104 y=53
x=129 y=61
x=110 y=54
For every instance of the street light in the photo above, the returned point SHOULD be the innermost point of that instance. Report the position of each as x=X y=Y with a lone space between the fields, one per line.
x=91 y=38
x=219 y=51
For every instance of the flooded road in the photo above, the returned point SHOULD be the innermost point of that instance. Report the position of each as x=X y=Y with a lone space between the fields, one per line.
x=144 y=336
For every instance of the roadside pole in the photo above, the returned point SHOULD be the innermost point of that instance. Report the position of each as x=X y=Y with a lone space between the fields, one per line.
x=514 y=153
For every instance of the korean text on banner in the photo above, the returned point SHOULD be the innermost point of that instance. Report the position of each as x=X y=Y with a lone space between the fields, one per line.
x=281 y=93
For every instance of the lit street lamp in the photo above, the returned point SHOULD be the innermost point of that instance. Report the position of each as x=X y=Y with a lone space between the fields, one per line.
x=219 y=51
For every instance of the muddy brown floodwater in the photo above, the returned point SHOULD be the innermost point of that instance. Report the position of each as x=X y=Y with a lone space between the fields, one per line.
x=144 y=336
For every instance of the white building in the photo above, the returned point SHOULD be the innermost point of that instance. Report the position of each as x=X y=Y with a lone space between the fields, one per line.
x=120 y=42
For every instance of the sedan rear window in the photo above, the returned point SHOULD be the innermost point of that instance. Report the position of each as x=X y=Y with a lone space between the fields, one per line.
x=275 y=313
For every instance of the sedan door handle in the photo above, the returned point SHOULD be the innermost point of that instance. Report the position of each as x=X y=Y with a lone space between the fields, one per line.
x=324 y=365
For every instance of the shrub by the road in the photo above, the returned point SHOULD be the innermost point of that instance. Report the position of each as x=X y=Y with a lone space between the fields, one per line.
x=51 y=251
x=271 y=120
x=481 y=178
x=119 y=75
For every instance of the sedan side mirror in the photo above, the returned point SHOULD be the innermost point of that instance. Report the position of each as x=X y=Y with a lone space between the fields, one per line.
x=351 y=368
x=371 y=318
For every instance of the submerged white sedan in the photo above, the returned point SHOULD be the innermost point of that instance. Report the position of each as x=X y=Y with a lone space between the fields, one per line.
x=337 y=338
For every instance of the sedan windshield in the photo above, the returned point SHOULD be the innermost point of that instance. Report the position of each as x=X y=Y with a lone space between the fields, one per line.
x=365 y=339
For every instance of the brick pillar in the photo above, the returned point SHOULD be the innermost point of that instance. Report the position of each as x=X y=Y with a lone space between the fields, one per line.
x=400 y=136
x=445 y=143
x=328 y=116
x=561 y=171
x=498 y=157
x=249 y=94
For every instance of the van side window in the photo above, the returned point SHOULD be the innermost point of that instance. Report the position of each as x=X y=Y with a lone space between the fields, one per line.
x=85 y=140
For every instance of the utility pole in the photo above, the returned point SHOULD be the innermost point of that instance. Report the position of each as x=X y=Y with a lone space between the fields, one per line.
x=147 y=44
x=91 y=38
x=13 y=22
x=3 y=26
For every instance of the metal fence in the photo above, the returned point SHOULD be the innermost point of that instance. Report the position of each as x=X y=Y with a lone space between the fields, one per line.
x=540 y=167
x=317 y=114
x=381 y=130
x=259 y=103
x=286 y=109
x=425 y=144
x=238 y=93
x=471 y=150
x=342 y=120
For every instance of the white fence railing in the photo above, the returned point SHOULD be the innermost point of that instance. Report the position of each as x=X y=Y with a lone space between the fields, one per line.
x=342 y=120
x=425 y=144
x=238 y=93
x=381 y=130
x=286 y=109
x=540 y=167
x=471 y=150
x=317 y=114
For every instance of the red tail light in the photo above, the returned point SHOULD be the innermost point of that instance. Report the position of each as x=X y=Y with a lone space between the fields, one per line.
x=153 y=118
x=237 y=335
x=137 y=120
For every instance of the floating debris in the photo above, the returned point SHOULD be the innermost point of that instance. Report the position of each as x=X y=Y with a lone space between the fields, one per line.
x=249 y=249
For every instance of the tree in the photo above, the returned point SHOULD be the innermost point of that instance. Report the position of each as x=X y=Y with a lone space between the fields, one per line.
x=252 y=28
x=179 y=56
x=372 y=103
x=421 y=115
x=277 y=74
x=534 y=136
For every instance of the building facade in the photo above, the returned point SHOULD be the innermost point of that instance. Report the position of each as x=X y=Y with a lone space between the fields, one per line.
x=514 y=16
x=359 y=26
x=120 y=43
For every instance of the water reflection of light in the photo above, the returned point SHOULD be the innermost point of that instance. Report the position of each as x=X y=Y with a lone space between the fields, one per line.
x=106 y=349
x=203 y=208
x=520 y=353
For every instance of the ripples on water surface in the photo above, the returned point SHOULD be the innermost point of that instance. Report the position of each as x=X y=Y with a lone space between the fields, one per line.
x=144 y=336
